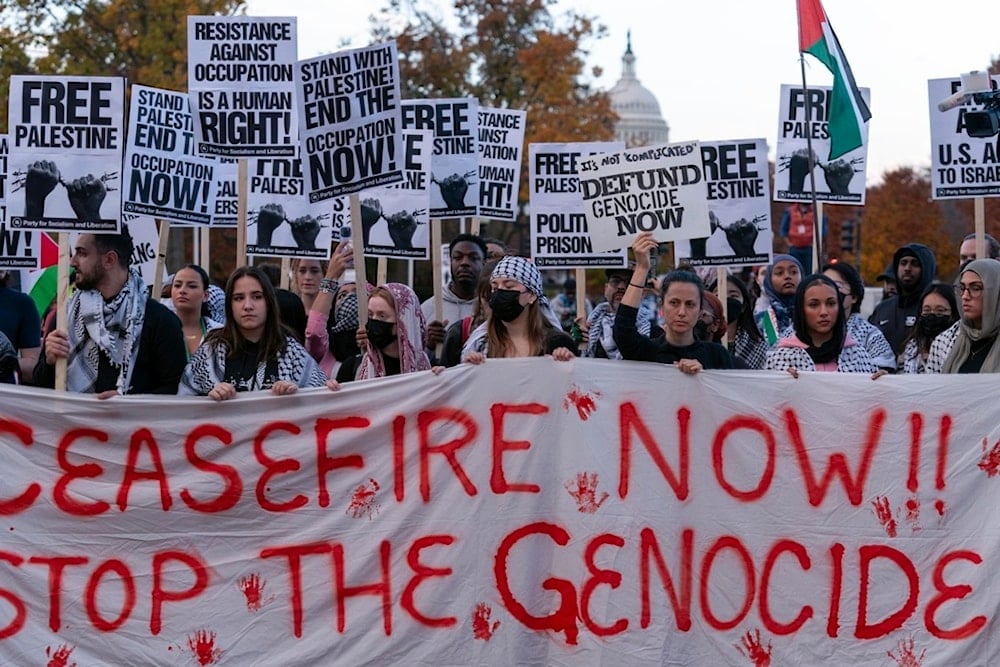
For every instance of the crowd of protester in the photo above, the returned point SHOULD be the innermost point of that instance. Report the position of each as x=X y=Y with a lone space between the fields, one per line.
x=253 y=336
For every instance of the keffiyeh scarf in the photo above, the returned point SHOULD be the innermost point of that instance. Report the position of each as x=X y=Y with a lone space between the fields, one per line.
x=207 y=368
x=112 y=327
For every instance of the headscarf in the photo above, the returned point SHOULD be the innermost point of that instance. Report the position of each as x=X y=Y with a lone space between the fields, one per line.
x=783 y=305
x=830 y=350
x=989 y=271
x=411 y=333
x=524 y=271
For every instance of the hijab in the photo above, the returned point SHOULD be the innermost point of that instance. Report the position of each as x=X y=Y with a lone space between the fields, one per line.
x=411 y=333
x=783 y=305
x=989 y=272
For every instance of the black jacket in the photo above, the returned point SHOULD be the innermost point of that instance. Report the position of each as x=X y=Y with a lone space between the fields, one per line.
x=636 y=347
x=896 y=316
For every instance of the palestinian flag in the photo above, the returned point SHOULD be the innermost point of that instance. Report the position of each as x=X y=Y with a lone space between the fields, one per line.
x=41 y=284
x=848 y=111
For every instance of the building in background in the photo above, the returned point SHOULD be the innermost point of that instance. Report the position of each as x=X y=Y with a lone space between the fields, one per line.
x=640 y=122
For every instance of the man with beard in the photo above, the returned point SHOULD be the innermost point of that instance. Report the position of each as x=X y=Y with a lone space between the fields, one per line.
x=967 y=251
x=601 y=323
x=119 y=340
x=914 y=266
x=467 y=253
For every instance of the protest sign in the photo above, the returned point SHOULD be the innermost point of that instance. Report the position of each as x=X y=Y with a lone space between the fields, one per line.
x=284 y=223
x=526 y=511
x=394 y=218
x=349 y=115
x=66 y=142
x=501 y=141
x=658 y=189
x=164 y=177
x=226 y=189
x=18 y=249
x=241 y=84
x=803 y=117
x=739 y=206
x=961 y=166
x=455 y=163
x=559 y=227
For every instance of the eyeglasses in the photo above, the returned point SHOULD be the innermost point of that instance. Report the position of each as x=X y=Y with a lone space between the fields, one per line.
x=974 y=289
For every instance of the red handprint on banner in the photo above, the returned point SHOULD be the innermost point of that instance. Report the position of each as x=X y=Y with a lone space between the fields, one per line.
x=252 y=587
x=202 y=646
x=584 y=491
x=753 y=648
x=481 y=627
x=582 y=401
x=908 y=654
x=363 y=501
x=883 y=512
x=990 y=462
x=60 y=656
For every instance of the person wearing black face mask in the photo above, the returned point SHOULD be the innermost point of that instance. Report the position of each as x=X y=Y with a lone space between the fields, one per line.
x=938 y=312
x=520 y=324
x=396 y=334
x=332 y=325
x=746 y=344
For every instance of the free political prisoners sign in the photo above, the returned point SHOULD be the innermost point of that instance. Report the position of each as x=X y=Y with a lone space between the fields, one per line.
x=559 y=228
x=658 y=189
x=284 y=222
x=804 y=114
x=66 y=139
x=349 y=115
x=19 y=249
x=164 y=177
x=501 y=142
x=478 y=518
x=395 y=218
x=739 y=205
x=241 y=85
x=961 y=166
x=455 y=163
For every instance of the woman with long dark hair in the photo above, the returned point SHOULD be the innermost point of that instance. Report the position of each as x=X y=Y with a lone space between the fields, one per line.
x=252 y=351
x=746 y=343
x=189 y=296
x=820 y=341
x=938 y=313
x=520 y=323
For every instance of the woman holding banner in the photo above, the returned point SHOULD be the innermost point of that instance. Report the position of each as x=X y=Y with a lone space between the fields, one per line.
x=521 y=322
x=396 y=335
x=820 y=341
x=976 y=348
x=189 y=296
x=746 y=343
x=852 y=291
x=252 y=351
x=682 y=293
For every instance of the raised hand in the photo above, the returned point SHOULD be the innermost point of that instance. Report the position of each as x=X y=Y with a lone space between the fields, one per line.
x=305 y=230
x=86 y=195
x=371 y=211
x=268 y=219
x=402 y=226
x=40 y=180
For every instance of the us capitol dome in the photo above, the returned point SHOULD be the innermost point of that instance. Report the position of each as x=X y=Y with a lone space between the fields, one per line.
x=640 y=122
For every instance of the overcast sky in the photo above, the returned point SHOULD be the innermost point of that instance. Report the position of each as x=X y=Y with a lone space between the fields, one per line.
x=716 y=67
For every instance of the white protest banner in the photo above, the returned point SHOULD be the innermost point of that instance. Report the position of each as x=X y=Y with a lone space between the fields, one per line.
x=559 y=228
x=66 y=144
x=526 y=511
x=961 y=166
x=394 y=218
x=349 y=120
x=501 y=142
x=658 y=189
x=164 y=177
x=241 y=84
x=18 y=249
x=455 y=164
x=285 y=223
x=739 y=206
x=804 y=114
x=226 y=189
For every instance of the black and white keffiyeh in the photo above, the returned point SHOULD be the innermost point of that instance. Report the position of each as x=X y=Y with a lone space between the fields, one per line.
x=113 y=327
x=207 y=368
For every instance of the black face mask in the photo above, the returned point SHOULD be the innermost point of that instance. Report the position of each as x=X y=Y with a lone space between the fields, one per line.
x=734 y=308
x=380 y=333
x=931 y=325
x=701 y=330
x=505 y=304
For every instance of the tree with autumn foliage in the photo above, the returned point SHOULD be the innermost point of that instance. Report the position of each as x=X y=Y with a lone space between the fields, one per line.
x=145 y=42
x=507 y=54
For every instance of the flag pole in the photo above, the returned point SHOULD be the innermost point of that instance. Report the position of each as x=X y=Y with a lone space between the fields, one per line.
x=817 y=226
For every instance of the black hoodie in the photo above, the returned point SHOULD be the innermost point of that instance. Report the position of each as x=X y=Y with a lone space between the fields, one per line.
x=897 y=315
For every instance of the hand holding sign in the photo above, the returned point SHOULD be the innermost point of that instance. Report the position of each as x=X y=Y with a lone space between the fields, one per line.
x=86 y=195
